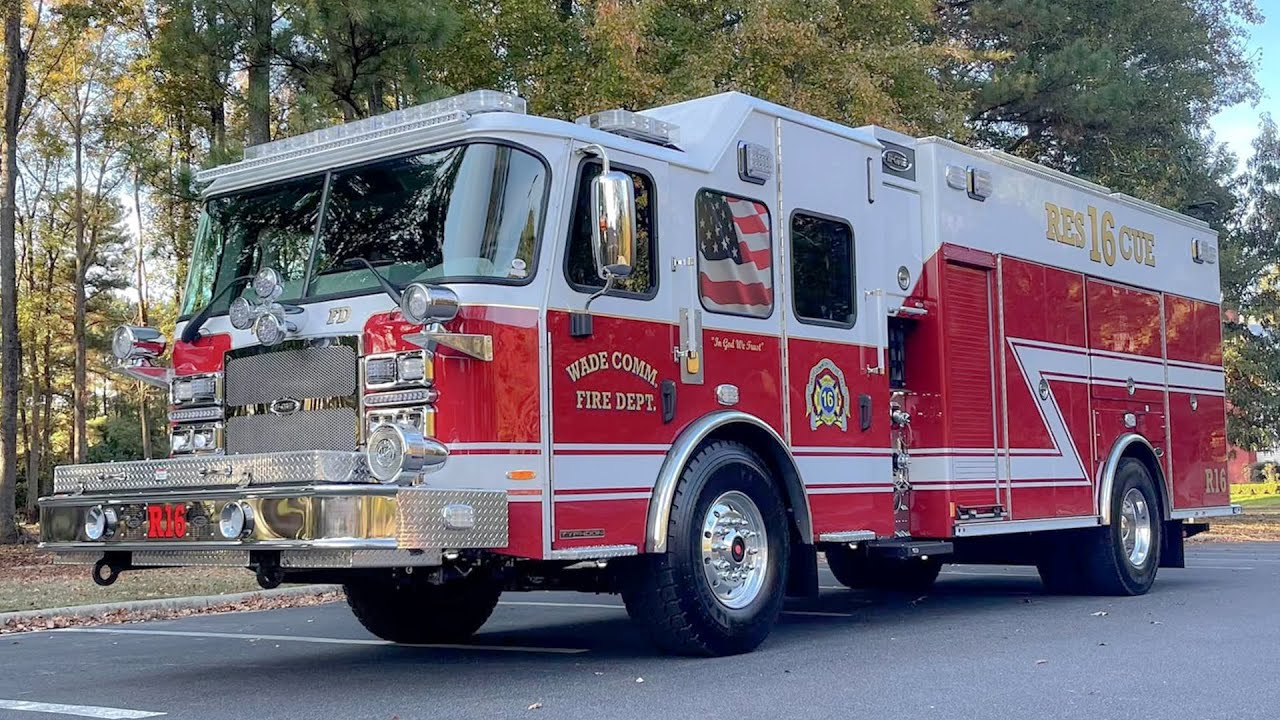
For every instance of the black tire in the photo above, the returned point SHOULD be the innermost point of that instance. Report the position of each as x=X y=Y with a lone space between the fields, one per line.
x=420 y=613
x=1060 y=564
x=856 y=570
x=1094 y=561
x=670 y=595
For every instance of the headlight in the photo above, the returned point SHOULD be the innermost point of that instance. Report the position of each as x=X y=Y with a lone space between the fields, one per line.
x=418 y=418
x=180 y=441
x=235 y=521
x=195 y=390
x=99 y=522
x=380 y=371
x=394 y=369
x=413 y=367
x=204 y=439
x=241 y=313
x=422 y=304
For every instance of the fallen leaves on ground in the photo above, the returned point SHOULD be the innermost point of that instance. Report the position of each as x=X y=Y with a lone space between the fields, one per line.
x=120 y=617
x=1252 y=526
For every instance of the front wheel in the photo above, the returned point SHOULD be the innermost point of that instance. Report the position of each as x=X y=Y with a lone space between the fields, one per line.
x=420 y=613
x=719 y=587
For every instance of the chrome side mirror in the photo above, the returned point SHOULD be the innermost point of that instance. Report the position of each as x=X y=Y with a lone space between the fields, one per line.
x=613 y=205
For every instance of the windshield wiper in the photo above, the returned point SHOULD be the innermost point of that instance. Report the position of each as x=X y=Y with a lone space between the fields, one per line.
x=191 y=332
x=390 y=289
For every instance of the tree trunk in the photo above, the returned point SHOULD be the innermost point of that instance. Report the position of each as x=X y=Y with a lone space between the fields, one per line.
x=10 y=346
x=259 y=81
x=80 y=447
x=34 y=438
x=142 y=314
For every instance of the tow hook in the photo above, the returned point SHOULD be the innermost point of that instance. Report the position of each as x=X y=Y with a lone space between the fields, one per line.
x=270 y=577
x=105 y=572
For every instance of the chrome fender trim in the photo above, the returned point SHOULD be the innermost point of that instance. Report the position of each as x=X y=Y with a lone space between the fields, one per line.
x=1107 y=476
x=681 y=452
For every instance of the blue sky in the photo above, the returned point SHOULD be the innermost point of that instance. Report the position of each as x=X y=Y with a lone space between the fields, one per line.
x=1236 y=126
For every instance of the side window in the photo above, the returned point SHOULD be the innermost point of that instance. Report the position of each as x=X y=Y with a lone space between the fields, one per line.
x=735 y=255
x=580 y=264
x=822 y=270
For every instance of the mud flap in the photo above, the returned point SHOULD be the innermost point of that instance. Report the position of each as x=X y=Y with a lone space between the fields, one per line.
x=802 y=571
x=1172 y=554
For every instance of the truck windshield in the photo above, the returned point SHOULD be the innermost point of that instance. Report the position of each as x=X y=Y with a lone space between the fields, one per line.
x=464 y=213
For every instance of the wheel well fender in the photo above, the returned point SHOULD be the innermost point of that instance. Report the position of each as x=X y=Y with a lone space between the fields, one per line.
x=1131 y=445
x=726 y=425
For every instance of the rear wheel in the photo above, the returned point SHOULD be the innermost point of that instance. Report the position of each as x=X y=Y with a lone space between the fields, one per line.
x=1119 y=559
x=719 y=587
x=855 y=569
x=418 y=612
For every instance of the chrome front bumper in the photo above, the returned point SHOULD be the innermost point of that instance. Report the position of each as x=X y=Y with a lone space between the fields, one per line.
x=301 y=508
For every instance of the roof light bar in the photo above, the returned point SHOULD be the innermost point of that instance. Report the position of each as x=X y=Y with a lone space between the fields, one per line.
x=633 y=125
x=440 y=112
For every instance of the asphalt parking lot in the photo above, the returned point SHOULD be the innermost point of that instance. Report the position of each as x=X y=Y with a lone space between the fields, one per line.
x=986 y=643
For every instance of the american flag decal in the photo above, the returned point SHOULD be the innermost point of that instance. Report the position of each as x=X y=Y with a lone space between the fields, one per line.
x=733 y=239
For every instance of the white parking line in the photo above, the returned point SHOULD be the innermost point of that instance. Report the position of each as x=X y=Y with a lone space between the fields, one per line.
x=77 y=710
x=322 y=640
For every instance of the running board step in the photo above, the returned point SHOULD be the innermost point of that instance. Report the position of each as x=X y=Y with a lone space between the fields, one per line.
x=908 y=549
x=594 y=552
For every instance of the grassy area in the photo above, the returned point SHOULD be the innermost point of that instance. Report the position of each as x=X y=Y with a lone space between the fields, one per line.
x=30 y=581
x=1260 y=503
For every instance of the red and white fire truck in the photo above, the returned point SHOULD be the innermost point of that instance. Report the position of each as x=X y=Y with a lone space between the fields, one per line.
x=458 y=349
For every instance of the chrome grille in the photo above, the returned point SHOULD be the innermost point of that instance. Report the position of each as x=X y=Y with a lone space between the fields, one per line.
x=300 y=373
x=323 y=378
x=328 y=429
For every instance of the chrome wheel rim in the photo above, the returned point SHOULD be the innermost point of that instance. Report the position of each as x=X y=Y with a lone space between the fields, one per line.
x=735 y=550
x=1135 y=527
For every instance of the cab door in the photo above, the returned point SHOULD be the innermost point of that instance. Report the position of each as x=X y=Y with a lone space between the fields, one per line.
x=835 y=328
x=608 y=433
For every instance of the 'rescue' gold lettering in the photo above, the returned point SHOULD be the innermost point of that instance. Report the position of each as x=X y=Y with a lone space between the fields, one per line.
x=626 y=362
x=1098 y=233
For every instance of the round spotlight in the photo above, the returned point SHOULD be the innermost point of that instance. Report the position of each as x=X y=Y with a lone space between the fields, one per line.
x=270 y=329
x=422 y=304
x=235 y=521
x=99 y=522
x=266 y=283
x=122 y=342
x=394 y=450
x=129 y=342
x=241 y=313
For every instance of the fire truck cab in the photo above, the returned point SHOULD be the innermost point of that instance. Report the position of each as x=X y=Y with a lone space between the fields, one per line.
x=457 y=350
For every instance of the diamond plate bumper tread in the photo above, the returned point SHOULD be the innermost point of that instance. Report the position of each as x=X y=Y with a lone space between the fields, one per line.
x=342 y=559
x=213 y=471
x=420 y=518
x=179 y=558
